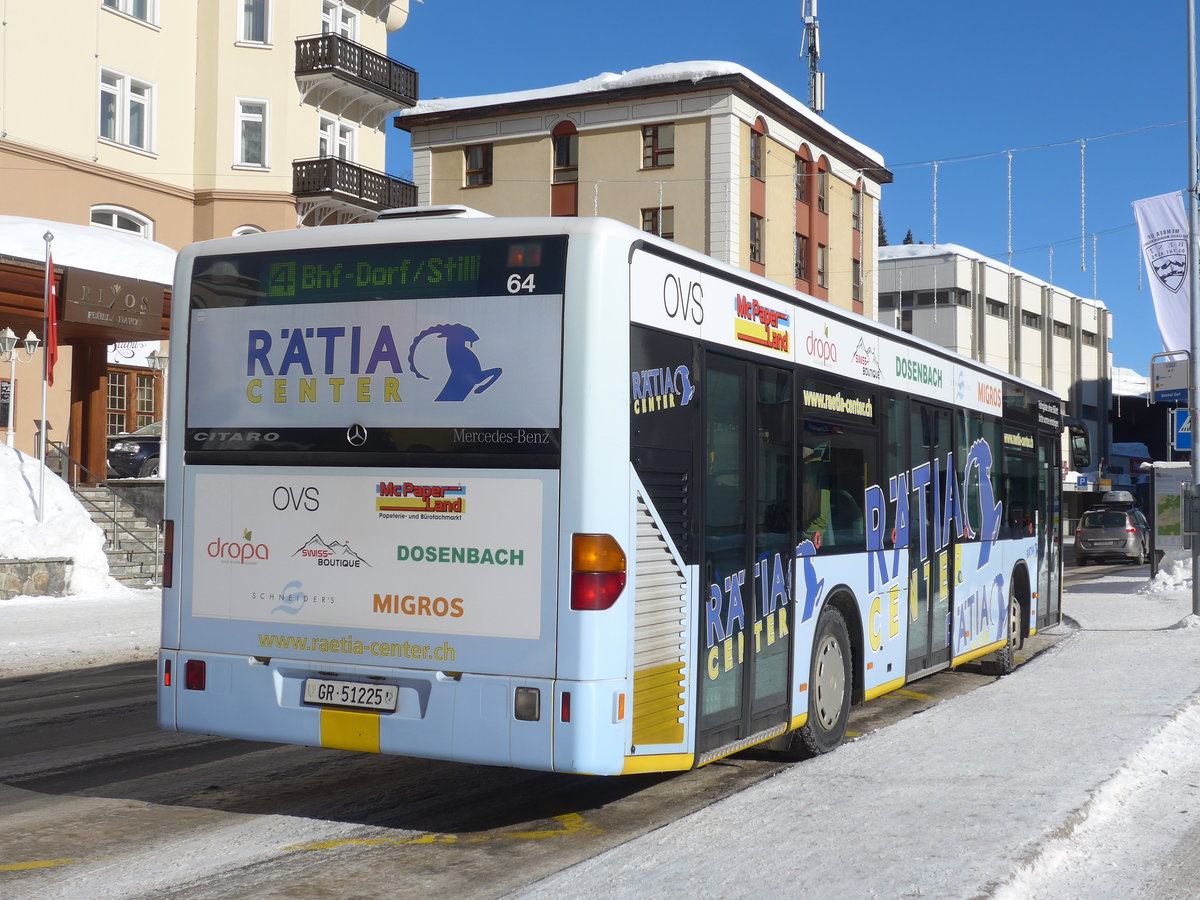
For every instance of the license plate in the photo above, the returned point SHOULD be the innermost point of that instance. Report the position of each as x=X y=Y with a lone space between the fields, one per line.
x=350 y=693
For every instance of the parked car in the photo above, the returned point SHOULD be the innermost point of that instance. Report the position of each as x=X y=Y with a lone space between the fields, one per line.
x=135 y=455
x=1106 y=533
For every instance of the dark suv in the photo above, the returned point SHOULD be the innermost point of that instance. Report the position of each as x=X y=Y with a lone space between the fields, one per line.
x=1117 y=534
x=135 y=455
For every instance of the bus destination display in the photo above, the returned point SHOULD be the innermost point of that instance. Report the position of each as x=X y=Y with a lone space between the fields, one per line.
x=381 y=272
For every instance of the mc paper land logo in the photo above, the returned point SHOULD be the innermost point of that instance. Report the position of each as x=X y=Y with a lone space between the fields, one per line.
x=761 y=325
x=406 y=500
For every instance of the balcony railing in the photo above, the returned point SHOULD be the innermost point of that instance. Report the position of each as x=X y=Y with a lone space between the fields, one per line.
x=332 y=54
x=329 y=176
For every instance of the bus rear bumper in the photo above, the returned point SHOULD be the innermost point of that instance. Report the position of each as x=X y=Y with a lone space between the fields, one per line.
x=439 y=715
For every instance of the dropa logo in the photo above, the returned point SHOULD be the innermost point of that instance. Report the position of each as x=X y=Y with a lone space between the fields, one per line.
x=239 y=552
x=407 y=497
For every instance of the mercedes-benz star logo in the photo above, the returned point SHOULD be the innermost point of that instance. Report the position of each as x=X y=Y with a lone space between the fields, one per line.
x=356 y=435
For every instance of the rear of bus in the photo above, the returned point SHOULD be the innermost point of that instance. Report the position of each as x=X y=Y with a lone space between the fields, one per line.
x=364 y=491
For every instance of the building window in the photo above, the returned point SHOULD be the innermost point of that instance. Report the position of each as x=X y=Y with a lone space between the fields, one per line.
x=757 y=139
x=996 y=308
x=252 y=133
x=660 y=221
x=756 y=238
x=801 y=249
x=118 y=404
x=906 y=321
x=143 y=10
x=822 y=190
x=961 y=297
x=335 y=139
x=125 y=109
x=479 y=164
x=336 y=18
x=254 y=22
x=1088 y=338
x=140 y=386
x=801 y=179
x=1062 y=330
x=856 y=285
x=856 y=209
x=888 y=301
x=120 y=219
x=1030 y=319
x=566 y=153
x=822 y=265
x=658 y=146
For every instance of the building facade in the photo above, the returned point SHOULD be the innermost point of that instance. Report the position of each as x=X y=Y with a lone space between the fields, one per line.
x=176 y=121
x=984 y=309
x=706 y=154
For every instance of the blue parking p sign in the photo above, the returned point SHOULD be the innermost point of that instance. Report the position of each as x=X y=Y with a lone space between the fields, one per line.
x=1181 y=430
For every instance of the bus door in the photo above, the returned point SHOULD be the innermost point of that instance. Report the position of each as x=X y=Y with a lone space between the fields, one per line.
x=1049 y=531
x=930 y=554
x=746 y=637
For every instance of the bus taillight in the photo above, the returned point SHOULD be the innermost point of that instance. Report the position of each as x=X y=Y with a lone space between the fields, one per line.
x=168 y=551
x=597 y=571
x=195 y=675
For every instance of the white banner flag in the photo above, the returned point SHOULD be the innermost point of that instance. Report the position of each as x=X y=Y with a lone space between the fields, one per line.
x=1163 y=231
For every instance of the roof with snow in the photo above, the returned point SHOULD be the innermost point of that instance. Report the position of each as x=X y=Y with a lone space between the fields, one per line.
x=696 y=72
x=893 y=252
x=87 y=247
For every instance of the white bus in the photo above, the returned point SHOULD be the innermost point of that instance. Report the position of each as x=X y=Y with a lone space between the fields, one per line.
x=557 y=494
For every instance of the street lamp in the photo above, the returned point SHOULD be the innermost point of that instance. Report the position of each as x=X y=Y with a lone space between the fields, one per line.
x=9 y=353
x=157 y=360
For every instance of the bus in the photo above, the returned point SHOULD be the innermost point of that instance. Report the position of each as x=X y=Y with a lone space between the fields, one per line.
x=557 y=494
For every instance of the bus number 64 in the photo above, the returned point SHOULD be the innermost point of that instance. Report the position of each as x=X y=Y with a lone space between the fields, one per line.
x=516 y=283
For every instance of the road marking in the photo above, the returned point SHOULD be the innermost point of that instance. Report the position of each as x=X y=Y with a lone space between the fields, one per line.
x=572 y=824
x=913 y=695
x=37 y=864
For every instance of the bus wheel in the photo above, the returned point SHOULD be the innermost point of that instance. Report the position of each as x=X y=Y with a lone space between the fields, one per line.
x=829 y=686
x=1006 y=659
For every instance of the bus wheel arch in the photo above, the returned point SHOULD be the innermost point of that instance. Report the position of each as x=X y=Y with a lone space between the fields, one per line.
x=1020 y=603
x=833 y=680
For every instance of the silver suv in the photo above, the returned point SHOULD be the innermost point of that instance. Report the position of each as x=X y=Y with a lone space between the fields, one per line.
x=1112 y=534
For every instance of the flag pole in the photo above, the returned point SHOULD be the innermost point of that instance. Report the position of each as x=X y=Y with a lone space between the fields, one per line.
x=47 y=298
x=1193 y=282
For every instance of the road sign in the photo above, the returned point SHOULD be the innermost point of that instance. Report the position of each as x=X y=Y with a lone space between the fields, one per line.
x=1169 y=374
x=1181 y=430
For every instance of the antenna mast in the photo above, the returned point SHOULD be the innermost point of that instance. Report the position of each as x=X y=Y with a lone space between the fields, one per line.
x=810 y=46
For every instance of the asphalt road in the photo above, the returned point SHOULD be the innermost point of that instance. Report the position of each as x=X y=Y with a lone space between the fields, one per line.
x=95 y=801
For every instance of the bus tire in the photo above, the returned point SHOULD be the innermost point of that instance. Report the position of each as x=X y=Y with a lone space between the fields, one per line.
x=830 y=684
x=1006 y=659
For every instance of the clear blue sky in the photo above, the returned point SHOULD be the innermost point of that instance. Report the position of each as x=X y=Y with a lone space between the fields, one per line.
x=918 y=82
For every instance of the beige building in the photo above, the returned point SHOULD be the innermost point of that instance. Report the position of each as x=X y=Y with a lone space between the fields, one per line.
x=707 y=154
x=176 y=121
x=1011 y=320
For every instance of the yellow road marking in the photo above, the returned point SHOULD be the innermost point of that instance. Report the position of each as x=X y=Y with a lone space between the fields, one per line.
x=913 y=695
x=572 y=823
x=37 y=864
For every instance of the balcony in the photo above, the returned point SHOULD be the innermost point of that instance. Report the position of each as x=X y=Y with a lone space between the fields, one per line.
x=351 y=81
x=332 y=191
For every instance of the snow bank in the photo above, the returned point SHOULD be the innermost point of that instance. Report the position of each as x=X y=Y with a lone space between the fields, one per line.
x=1174 y=574
x=65 y=530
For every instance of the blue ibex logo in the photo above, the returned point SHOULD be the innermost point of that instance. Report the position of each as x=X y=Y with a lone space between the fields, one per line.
x=466 y=375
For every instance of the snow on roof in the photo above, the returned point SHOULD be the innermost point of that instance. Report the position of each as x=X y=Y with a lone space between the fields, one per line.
x=666 y=73
x=87 y=247
x=1129 y=383
x=925 y=251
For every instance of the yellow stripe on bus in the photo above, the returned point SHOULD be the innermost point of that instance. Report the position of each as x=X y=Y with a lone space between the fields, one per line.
x=975 y=654
x=886 y=688
x=658 y=704
x=660 y=762
x=342 y=729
